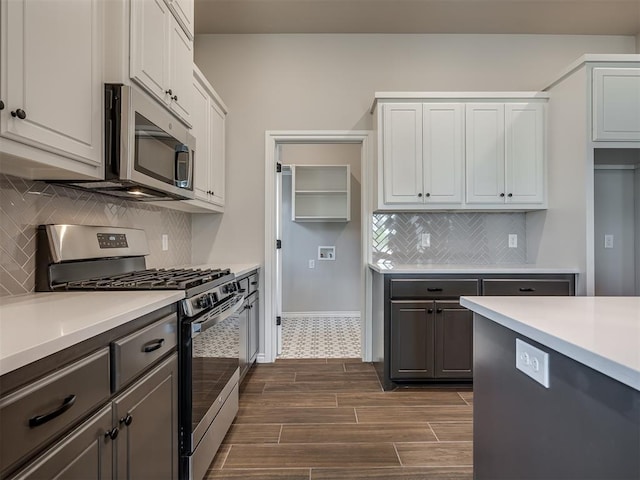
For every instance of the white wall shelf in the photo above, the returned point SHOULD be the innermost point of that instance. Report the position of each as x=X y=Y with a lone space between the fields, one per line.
x=321 y=193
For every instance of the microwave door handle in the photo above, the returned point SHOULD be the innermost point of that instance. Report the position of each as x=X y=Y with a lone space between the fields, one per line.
x=181 y=150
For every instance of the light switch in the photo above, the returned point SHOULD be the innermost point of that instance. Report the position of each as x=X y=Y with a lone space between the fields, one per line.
x=608 y=241
x=165 y=242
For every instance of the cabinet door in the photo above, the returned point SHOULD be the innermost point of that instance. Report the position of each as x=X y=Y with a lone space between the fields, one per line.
x=200 y=121
x=442 y=148
x=183 y=11
x=52 y=64
x=402 y=153
x=180 y=71
x=453 y=340
x=217 y=145
x=616 y=104
x=87 y=453
x=147 y=415
x=149 y=46
x=524 y=152
x=412 y=340
x=243 y=327
x=485 y=152
x=254 y=327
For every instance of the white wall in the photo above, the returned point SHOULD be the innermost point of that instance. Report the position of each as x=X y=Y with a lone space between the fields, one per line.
x=614 y=214
x=276 y=82
x=333 y=285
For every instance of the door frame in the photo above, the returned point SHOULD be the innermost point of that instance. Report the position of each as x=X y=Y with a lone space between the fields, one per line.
x=272 y=140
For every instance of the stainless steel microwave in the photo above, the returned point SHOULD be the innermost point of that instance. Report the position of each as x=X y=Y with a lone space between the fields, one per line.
x=148 y=153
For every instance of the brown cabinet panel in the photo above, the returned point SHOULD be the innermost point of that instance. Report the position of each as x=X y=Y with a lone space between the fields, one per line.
x=410 y=288
x=524 y=287
x=454 y=340
x=412 y=340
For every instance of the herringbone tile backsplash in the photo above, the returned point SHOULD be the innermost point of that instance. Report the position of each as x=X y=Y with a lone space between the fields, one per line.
x=25 y=204
x=462 y=238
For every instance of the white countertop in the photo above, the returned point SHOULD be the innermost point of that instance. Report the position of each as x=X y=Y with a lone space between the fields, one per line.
x=440 y=268
x=36 y=325
x=600 y=332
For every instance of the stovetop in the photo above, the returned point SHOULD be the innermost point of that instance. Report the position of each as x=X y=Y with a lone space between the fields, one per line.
x=153 y=279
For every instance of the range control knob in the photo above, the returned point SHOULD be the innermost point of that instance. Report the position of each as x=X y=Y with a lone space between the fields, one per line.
x=203 y=302
x=213 y=298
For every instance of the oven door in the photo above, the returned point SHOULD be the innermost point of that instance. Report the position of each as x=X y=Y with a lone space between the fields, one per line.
x=210 y=361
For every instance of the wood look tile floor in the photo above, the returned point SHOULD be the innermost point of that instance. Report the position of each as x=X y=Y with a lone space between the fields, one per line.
x=329 y=420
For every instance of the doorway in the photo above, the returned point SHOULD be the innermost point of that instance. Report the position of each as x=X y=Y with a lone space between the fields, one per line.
x=279 y=147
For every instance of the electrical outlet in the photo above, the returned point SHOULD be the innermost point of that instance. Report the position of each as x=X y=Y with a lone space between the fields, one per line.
x=312 y=264
x=608 y=241
x=513 y=240
x=426 y=240
x=165 y=242
x=533 y=362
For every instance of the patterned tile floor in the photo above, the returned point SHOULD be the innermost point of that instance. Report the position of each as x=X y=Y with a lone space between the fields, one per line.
x=320 y=337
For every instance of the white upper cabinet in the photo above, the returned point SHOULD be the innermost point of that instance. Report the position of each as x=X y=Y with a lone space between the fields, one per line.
x=209 y=120
x=442 y=152
x=524 y=153
x=505 y=153
x=422 y=147
x=485 y=153
x=51 y=88
x=402 y=152
x=473 y=152
x=616 y=104
x=161 y=55
x=183 y=11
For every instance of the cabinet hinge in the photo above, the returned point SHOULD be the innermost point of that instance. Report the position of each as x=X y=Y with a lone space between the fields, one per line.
x=278 y=167
x=278 y=244
x=278 y=321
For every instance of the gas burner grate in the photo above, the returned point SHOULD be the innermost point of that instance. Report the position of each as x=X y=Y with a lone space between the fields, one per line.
x=152 y=279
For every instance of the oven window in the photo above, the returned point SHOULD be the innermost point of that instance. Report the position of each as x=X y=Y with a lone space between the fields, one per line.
x=215 y=358
x=155 y=151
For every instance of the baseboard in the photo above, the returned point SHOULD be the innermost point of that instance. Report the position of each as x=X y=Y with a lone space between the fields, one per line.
x=320 y=314
x=261 y=358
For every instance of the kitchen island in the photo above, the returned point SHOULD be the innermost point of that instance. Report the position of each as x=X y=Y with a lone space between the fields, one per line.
x=580 y=421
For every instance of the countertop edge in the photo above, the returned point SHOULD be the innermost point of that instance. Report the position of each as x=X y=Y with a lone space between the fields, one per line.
x=475 y=269
x=39 y=351
x=621 y=373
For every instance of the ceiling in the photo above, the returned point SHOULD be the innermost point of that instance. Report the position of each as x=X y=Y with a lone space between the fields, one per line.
x=589 y=17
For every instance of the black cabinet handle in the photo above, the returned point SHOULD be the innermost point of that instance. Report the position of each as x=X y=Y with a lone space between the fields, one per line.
x=434 y=289
x=510 y=195
x=127 y=420
x=438 y=310
x=19 y=113
x=1 y=105
x=430 y=310
x=169 y=92
x=113 y=433
x=152 y=345
x=254 y=283
x=527 y=289
x=40 y=419
x=175 y=98
x=502 y=194
x=427 y=194
x=419 y=195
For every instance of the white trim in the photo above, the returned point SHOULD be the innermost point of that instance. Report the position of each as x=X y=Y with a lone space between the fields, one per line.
x=320 y=314
x=272 y=140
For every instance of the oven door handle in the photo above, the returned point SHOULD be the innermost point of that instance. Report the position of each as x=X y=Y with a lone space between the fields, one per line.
x=198 y=327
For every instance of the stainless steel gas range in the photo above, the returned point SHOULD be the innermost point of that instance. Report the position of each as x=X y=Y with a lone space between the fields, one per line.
x=80 y=257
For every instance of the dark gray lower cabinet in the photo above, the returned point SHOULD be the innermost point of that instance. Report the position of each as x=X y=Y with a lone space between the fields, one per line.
x=412 y=340
x=431 y=340
x=87 y=453
x=453 y=340
x=249 y=319
x=147 y=416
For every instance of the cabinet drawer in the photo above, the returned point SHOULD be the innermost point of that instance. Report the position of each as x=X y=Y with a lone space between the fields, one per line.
x=527 y=287
x=132 y=354
x=249 y=284
x=37 y=413
x=418 y=288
